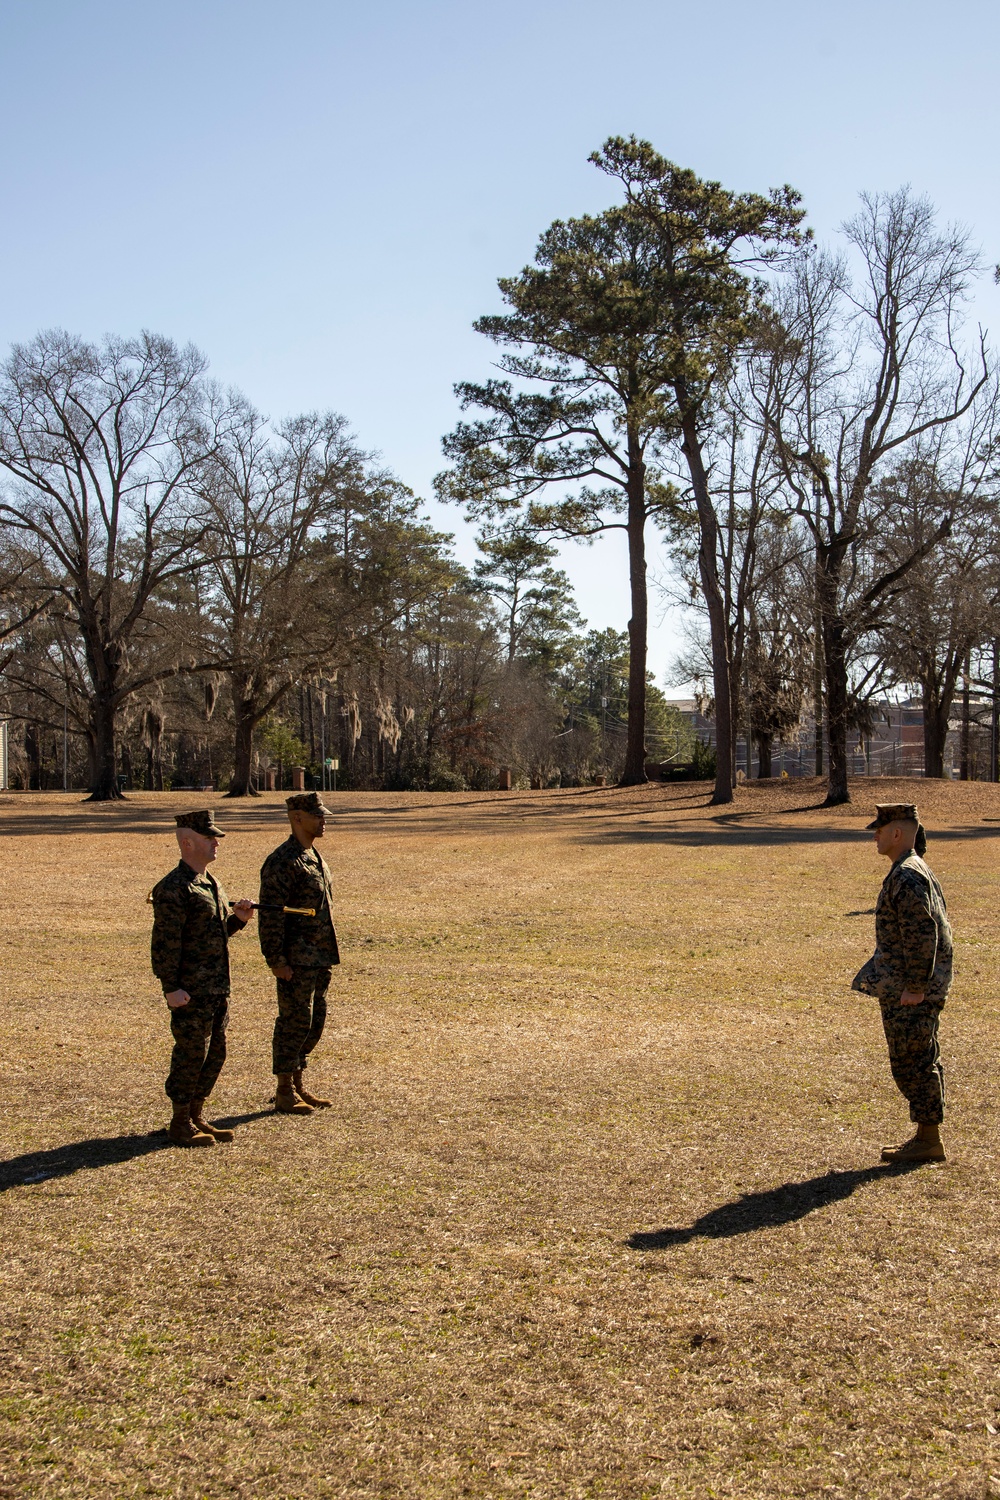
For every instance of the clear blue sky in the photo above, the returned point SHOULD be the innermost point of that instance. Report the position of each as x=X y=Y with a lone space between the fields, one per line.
x=322 y=195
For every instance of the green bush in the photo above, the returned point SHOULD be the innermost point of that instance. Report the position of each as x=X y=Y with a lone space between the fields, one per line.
x=703 y=761
x=280 y=744
x=448 y=781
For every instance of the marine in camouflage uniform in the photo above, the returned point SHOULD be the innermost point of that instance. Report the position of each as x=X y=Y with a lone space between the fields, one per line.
x=300 y=950
x=189 y=948
x=910 y=974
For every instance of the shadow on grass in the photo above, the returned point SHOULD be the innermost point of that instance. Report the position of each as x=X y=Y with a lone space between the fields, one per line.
x=100 y=1151
x=729 y=831
x=124 y=817
x=492 y=809
x=780 y=1205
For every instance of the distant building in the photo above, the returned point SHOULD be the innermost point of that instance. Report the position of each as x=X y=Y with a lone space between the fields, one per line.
x=895 y=746
x=689 y=710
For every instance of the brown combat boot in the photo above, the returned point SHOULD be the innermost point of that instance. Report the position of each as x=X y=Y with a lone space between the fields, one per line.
x=181 y=1132
x=285 y=1101
x=200 y=1123
x=305 y=1095
x=924 y=1146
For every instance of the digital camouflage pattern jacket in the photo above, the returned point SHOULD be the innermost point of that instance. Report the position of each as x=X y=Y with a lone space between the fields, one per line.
x=191 y=929
x=913 y=948
x=296 y=876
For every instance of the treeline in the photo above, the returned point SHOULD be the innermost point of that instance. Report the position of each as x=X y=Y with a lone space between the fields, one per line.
x=191 y=595
x=807 y=427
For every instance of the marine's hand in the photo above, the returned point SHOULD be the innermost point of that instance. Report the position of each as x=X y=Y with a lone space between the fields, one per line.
x=243 y=909
x=911 y=997
x=177 y=998
x=283 y=971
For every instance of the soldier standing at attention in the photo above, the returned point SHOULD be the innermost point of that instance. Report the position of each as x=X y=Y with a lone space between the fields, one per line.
x=190 y=954
x=910 y=973
x=300 y=950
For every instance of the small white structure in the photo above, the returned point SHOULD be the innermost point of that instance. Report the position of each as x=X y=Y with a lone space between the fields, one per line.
x=4 y=769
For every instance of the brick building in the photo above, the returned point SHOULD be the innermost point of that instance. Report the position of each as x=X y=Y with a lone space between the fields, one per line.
x=894 y=748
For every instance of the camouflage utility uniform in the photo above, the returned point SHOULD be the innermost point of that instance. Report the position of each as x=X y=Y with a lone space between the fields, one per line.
x=913 y=951
x=296 y=876
x=190 y=951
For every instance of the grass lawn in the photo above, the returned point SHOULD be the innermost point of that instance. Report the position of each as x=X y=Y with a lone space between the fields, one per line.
x=598 y=1210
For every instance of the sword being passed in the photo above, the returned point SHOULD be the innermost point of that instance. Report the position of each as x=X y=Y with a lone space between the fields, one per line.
x=292 y=911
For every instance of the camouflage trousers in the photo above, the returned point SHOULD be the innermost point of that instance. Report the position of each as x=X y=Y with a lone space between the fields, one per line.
x=199 y=1032
x=915 y=1058
x=301 y=1018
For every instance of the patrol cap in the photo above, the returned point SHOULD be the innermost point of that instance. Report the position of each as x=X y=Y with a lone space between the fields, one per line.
x=309 y=802
x=200 y=822
x=893 y=812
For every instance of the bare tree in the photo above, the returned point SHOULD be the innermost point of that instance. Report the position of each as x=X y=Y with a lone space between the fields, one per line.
x=263 y=604
x=44 y=679
x=25 y=593
x=950 y=603
x=872 y=368
x=312 y=553
x=758 y=563
x=101 y=445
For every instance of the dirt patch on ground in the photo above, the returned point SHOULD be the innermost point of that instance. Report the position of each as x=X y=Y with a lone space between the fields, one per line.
x=598 y=1210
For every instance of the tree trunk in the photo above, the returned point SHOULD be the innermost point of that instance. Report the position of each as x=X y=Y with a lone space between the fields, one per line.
x=708 y=568
x=91 y=756
x=818 y=697
x=104 y=783
x=963 y=770
x=33 y=757
x=829 y=560
x=935 y=732
x=765 y=750
x=243 y=713
x=835 y=656
x=818 y=645
x=938 y=683
x=104 y=660
x=154 y=766
x=634 y=771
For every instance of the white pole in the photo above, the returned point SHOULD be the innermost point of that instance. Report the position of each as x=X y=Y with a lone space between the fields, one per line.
x=4 y=778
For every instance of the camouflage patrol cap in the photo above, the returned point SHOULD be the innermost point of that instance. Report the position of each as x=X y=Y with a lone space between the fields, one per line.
x=309 y=802
x=893 y=812
x=200 y=822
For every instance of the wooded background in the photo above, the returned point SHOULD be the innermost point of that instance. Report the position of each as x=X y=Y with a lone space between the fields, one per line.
x=190 y=593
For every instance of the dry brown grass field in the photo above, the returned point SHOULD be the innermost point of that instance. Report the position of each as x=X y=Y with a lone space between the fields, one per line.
x=598 y=1210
